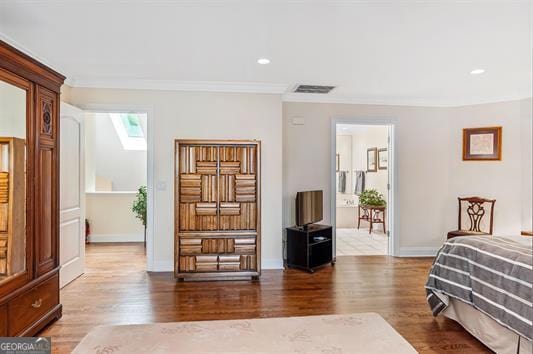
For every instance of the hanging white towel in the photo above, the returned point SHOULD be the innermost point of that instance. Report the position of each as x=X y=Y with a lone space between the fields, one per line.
x=342 y=182
x=359 y=182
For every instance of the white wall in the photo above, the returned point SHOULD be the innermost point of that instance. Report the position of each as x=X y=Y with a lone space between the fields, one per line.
x=178 y=114
x=364 y=139
x=111 y=218
x=12 y=111
x=431 y=173
x=527 y=167
x=126 y=169
x=500 y=180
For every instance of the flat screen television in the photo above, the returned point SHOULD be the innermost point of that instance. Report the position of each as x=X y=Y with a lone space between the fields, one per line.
x=308 y=207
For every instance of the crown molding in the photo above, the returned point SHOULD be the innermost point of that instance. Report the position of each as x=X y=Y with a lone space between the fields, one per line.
x=33 y=55
x=332 y=99
x=251 y=87
x=174 y=85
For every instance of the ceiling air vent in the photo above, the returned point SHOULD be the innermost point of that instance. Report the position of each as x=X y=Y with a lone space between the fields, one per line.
x=313 y=89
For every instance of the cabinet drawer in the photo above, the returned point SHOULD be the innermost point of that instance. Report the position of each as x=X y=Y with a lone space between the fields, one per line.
x=3 y=321
x=222 y=263
x=229 y=267
x=32 y=305
x=190 y=245
x=229 y=263
x=218 y=245
x=206 y=263
x=245 y=245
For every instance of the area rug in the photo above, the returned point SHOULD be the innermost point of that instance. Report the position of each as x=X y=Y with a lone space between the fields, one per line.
x=365 y=333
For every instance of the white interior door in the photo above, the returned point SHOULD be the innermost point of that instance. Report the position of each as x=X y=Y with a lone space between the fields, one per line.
x=72 y=195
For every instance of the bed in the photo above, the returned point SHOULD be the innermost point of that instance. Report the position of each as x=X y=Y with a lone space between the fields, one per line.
x=486 y=284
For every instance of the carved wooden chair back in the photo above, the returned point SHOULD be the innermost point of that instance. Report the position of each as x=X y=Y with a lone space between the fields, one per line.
x=476 y=210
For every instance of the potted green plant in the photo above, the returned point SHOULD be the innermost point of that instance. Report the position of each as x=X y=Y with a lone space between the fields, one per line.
x=139 y=208
x=372 y=197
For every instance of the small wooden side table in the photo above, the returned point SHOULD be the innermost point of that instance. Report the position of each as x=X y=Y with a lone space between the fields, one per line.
x=373 y=214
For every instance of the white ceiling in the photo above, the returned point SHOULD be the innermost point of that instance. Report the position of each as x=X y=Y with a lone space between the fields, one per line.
x=392 y=52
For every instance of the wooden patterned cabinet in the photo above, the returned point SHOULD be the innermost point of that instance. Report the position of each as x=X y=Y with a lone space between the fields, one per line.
x=217 y=206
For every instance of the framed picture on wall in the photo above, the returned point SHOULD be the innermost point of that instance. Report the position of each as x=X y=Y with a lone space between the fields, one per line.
x=482 y=144
x=383 y=159
x=371 y=160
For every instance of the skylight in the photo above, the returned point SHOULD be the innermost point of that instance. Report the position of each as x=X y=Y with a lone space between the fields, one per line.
x=130 y=130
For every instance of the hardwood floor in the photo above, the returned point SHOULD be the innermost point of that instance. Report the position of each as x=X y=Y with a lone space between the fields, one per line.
x=116 y=290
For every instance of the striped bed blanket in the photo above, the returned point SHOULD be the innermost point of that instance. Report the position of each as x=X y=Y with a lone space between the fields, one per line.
x=493 y=274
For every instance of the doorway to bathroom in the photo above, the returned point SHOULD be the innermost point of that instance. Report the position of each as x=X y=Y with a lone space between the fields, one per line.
x=363 y=194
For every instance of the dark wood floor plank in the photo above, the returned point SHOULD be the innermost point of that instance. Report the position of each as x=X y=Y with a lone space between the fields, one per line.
x=116 y=290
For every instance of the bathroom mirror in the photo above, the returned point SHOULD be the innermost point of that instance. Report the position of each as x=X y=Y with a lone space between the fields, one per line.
x=13 y=106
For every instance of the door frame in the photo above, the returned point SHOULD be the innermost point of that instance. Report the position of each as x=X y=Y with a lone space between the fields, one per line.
x=393 y=248
x=150 y=191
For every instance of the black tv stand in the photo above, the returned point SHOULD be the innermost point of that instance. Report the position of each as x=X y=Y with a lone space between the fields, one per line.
x=309 y=247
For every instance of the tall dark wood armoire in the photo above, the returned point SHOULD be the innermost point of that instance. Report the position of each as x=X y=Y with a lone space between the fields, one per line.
x=217 y=207
x=29 y=193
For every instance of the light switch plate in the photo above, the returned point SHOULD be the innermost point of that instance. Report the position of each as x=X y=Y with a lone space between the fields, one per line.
x=161 y=185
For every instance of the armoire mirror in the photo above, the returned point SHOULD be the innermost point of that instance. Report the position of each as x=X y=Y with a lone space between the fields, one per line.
x=13 y=105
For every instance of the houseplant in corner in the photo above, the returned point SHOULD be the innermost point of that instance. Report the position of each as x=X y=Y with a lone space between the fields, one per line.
x=372 y=197
x=139 y=208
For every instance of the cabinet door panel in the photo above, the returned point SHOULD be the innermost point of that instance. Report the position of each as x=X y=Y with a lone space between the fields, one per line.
x=238 y=188
x=46 y=245
x=198 y=188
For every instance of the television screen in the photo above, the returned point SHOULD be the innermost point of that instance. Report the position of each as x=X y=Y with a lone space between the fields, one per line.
x=308 y=207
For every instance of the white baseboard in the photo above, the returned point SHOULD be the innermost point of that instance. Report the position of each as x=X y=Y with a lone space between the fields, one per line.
x=418 y=251
x=163 y=266
x=116 y=238
x=168 y=265
x=272 y=264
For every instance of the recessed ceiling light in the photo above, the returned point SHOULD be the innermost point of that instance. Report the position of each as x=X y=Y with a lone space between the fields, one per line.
x=263 y=61
x=477 y=71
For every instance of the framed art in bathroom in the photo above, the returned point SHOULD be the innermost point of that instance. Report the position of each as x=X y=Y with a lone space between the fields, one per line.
x=371 y=160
